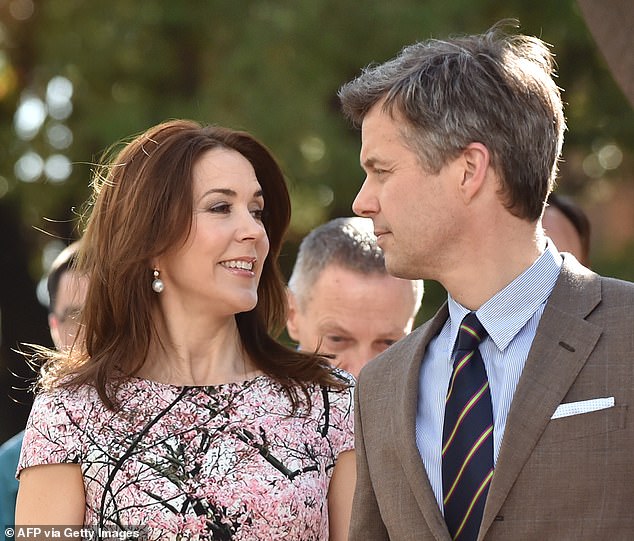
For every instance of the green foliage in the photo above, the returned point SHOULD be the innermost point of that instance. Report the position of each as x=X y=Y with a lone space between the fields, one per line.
x=270 y=67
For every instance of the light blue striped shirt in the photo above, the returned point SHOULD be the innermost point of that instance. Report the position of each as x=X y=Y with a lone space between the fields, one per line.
x=510 y=317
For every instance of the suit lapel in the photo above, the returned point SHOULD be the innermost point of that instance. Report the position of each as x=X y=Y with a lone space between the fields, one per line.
x=562 y=345
x=405 y=424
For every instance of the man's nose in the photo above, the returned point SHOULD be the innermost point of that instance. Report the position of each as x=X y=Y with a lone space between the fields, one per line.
x=365 y=203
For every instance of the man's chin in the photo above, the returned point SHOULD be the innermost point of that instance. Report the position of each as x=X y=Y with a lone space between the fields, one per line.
x=394 y=268
x=400 y=270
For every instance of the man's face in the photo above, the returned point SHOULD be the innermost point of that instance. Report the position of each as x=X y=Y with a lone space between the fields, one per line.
x=416 y=214
x=63 y=321
x=352 y=316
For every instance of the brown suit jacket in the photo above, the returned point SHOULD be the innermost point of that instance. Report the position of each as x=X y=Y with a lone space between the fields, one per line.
x=570 y=478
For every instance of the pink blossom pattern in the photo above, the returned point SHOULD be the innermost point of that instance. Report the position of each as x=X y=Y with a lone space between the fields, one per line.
x=224 y=462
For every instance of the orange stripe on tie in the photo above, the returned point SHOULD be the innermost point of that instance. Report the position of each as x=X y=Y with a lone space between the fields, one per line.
x=484 y=484
x=472 y=402
x=473 y=451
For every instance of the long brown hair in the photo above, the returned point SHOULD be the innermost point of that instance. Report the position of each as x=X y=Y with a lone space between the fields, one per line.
x=141 y=207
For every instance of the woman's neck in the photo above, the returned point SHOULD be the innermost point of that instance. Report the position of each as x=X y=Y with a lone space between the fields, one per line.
x=189 y=354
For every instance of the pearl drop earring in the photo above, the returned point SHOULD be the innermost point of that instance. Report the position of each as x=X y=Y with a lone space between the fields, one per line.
x=157 y=284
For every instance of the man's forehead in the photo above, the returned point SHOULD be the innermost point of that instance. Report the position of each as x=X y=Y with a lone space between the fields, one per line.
x=340 y=289
x=377 y=131
x=72 y=288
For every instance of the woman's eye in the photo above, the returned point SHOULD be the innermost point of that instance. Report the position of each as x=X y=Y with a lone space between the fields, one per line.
x=222 y=208
x=258 y=214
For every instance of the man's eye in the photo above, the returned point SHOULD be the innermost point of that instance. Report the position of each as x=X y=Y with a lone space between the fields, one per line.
x=336 y=342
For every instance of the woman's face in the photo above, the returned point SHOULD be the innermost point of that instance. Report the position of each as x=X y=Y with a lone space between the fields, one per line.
x=219 y=266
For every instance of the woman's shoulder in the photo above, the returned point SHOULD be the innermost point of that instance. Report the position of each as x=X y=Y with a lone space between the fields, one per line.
x=66 y=391
x=338 y=404
x=65 y=398
x=69 y=396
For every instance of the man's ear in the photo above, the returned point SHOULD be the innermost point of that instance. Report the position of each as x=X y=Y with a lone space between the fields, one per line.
x=475 y=162
x=293 y=316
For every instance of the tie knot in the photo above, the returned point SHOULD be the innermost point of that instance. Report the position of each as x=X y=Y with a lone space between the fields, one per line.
x=471 y=332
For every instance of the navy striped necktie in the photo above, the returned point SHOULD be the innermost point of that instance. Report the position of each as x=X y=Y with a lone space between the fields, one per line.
x=467 y=452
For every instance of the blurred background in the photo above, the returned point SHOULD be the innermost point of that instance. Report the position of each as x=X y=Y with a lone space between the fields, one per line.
x=77 y=76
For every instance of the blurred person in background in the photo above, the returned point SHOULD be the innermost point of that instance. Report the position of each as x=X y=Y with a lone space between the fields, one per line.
x=341 y=298
x=66 y=293
x=183 y=414
x=566 y=223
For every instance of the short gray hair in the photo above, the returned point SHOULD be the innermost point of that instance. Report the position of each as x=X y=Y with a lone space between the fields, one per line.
x=493 y=88
x=347 y=242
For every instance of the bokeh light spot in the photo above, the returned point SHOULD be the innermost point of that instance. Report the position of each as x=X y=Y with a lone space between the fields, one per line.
x=57 y=168
x=29 y=167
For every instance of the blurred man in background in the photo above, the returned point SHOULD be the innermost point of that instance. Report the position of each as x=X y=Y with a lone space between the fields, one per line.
x=67 y=291
x=565 y=222
x=342 y=301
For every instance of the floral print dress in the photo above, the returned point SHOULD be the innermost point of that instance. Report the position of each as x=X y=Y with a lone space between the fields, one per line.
x=226 y=462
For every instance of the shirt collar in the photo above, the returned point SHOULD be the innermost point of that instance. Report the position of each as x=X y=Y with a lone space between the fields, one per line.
x=504 y=314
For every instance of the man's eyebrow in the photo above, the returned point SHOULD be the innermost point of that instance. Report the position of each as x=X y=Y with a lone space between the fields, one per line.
x=371 y=162
x=333 y=327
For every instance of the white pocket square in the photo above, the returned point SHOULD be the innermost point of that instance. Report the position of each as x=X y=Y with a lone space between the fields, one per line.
x=584 y=406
